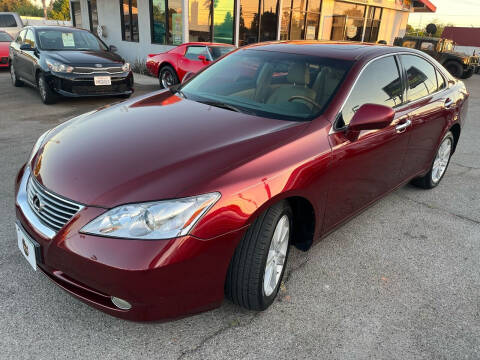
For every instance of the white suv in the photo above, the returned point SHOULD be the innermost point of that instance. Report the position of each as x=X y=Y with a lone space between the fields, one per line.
x=11 y=23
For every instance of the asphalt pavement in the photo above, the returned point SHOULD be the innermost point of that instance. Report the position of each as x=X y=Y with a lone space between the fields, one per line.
x=399 y=281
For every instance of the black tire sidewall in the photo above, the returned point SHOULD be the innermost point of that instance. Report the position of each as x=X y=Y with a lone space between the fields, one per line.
x=458 y=68
x=49 y=95
x=266 y=301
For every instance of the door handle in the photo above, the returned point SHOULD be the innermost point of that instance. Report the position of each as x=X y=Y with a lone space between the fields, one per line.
x=402 y=127
x=449 y=103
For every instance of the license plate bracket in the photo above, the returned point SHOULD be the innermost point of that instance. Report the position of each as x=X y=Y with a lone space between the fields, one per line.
x=29 y=248
x=102 y=80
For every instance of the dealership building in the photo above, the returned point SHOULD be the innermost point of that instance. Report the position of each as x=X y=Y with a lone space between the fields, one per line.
x=140 y=27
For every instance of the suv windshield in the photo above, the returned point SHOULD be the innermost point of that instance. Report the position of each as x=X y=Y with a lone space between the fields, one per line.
x=4 y=37
x=270 y=84
x=68 y=39
x=219 y=51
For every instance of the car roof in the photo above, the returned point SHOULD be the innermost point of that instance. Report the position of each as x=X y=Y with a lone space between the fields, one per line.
x=421 y=38
x=332 y=49
x=48 y=27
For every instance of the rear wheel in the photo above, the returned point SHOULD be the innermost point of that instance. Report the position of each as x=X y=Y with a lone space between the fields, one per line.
x=468 y=73
x=13 y=76
x=47 y=94
x=258 y=264
x=167 y=77
x=454 y=68
x=439 y=165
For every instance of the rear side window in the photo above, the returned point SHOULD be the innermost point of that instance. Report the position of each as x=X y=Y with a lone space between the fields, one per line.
x=7 y=20
x=409 y=43
x=421 y=76
x=193 y=52
x=427 y=46
x=440 y=81
x=380 y=83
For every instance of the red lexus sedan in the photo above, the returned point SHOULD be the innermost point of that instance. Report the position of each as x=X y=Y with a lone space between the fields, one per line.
x=157 y=207
x=5 y=40
x=170 y=67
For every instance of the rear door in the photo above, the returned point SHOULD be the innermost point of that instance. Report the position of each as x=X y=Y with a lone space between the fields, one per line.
x=366 y=168
x=430 y=106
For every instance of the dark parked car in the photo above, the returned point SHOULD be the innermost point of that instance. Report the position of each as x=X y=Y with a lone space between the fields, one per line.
x=67 y=61
x=459 y=65
x=156 y=207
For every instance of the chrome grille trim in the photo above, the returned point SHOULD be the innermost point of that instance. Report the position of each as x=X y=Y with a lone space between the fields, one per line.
x=89 y=70
x=56 y=211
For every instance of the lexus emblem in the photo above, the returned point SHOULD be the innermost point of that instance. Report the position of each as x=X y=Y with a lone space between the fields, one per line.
x=98 y=65
x=37 y=204
x=25 y=247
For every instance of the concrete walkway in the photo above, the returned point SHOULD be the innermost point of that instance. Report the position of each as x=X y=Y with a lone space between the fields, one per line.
x=141 y=79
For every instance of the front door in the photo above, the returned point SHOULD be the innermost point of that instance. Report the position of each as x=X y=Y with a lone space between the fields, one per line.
x=366 y=168
x=190 y=61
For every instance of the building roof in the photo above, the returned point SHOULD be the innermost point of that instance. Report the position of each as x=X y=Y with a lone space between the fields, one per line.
x=423 y=6
x=463 y=36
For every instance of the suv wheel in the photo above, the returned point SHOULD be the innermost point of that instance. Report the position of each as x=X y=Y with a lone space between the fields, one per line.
x=454 y=68
x=47 y=95
x=13 y=76
x=467 y=74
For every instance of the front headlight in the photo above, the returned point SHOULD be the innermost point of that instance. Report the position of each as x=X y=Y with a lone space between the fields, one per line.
x=58 y=67
x=126 y=67
x=37 y=145
x=154 y=220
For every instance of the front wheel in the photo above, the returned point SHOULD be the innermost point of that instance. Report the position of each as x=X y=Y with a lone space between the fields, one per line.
x=439 y=166
x=467 y=74
x=258 y=264
x=167 y=77
x=46 y=93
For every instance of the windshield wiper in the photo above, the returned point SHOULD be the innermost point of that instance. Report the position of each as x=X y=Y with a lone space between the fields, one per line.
x=223 y=106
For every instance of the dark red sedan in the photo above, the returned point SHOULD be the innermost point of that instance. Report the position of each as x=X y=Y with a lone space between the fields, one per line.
x=5 y=40
x=170 y=67
x=159 y=206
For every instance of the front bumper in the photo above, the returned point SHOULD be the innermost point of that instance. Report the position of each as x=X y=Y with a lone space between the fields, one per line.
x=4 y=61
x=161 y=279
x=78 y=85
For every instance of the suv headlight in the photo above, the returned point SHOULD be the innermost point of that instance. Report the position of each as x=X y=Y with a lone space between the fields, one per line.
x=153 y=220
x=59 y=67
x=126 y=67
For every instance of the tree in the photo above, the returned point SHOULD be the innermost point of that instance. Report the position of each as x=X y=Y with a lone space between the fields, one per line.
x=60 y=10
x=22 y=7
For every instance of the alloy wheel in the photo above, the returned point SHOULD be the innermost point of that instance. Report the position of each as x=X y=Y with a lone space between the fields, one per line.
x=441 y=160
x=277 y=254
x=167 y=79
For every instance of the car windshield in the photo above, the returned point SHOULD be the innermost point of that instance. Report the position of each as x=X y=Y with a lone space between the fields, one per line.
x=4 y=37
x=269 y=84
x=68 y=39
x=219 y=51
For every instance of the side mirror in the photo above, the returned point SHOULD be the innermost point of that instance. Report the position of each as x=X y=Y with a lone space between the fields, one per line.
x=26 y=47
x=188 y=76
x=371 y=117
x=113 y=48
x=203 y=58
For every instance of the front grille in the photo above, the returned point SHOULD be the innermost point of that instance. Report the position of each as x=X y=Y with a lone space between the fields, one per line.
x=107 y=70
x=52 y=210
x=104 y=89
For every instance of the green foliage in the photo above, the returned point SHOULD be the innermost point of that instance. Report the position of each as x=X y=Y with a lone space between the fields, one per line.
x=423 y=32
x=22 y=7
x=60 y=10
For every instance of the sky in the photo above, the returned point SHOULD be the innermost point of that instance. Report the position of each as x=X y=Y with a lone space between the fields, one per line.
x=455 y=12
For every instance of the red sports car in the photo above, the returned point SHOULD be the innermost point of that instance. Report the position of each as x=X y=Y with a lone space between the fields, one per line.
x=159 y=206
x=5 y=40
x=170 y=67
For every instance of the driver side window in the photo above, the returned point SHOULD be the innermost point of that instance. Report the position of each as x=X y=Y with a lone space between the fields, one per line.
x=193 y=52
x=380 y=83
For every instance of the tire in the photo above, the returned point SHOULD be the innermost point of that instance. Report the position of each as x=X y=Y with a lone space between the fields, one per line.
x=432 y=178
x=46 y=93
x=167 y=77
x=454 y=68
x=477 y=70
x=124 y=96
x=247 y=283
x=467 y=74
x=13 y=76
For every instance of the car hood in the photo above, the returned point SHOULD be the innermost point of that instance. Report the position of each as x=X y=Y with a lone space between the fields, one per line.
x=4 y=48
x=71 y=57
x=157 y=147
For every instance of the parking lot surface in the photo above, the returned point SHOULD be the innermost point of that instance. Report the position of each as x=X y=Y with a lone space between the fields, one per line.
x=401 y=280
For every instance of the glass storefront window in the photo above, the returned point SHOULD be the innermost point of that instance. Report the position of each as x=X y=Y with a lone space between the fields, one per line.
x=93 y=15
x=212 y=20
x=200 y=20
x=251 y=29
x=166 y=21
x=300 y=20
x=129 y=20
x=77 y=14
x=223 y=21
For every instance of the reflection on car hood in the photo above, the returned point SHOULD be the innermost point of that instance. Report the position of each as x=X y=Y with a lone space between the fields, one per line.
x=71 y=57
x=161 y=146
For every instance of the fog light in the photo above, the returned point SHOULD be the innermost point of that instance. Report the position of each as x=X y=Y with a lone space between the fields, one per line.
x=121 y=304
